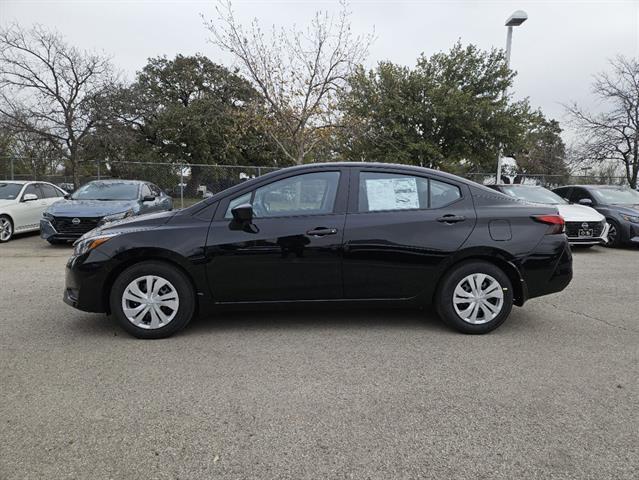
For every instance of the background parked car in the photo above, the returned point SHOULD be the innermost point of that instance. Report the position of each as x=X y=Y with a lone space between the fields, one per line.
x=584 y=225
x=620 y=206
x=99 y=202
x=22 y=204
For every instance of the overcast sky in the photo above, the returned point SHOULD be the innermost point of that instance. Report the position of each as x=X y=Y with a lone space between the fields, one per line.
x=555 y=52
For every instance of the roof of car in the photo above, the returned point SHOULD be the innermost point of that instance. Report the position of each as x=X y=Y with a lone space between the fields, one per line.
x=615 y=187
x=17 y=182
x=117 y=180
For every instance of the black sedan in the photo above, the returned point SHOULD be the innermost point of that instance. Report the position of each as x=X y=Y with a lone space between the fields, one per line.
x=620 y=206
x=340 y=233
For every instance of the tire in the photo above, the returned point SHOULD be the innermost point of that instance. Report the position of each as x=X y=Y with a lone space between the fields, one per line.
x=615 y=228
x=6 y=228
x=155 y=319
x=496 y=304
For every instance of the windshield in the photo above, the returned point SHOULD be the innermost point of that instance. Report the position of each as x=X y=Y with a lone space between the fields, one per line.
x=9 y=191
x=616 y=196
x=533 y=194
x=107 y=191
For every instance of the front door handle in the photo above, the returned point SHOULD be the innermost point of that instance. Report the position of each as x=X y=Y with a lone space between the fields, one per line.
x=321 y=232
x=451 y=218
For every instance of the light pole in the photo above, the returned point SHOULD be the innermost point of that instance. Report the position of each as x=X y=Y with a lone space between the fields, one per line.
x=517 y=18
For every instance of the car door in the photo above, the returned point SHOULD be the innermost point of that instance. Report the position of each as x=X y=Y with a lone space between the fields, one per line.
x=292 y=248
x=30 y=211
x=399 y=227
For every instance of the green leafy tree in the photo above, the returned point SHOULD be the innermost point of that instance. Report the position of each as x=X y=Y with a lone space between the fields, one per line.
x=189 y=110
x=541 y=150
x=448 y=112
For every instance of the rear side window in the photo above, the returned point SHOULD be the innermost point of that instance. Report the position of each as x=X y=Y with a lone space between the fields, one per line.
x=579 y=194
x=442 y=194
x=395 y=191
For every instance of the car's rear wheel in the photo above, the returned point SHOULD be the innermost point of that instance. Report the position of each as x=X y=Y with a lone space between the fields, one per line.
x=475 y=297
x=614 y=234
x=6 y=228
x=152 y=300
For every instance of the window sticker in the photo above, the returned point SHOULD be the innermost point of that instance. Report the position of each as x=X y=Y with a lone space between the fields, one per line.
x=392 y=193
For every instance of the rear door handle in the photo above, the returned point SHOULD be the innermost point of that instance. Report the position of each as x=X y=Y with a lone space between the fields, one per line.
x=451 y=218
x=321 y=232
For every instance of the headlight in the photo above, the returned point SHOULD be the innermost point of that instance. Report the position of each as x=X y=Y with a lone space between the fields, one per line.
x=47 y=216
x=630 y=218
x=85 y=245
x=115 y=217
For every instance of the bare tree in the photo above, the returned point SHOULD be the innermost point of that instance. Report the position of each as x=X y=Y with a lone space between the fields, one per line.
x=47 y=88
x=298 y=72
x=613 y=135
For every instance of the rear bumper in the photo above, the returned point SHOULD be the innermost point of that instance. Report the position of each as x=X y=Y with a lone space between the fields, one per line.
x=548 y=269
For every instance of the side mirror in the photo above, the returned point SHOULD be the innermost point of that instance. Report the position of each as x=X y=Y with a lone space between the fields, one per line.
x=585 y=201
x=29 y=197
x=67 y=196
x=243 y=213
x=148 y=198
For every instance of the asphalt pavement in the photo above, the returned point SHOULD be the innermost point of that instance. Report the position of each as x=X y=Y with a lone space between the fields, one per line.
x=312 y=394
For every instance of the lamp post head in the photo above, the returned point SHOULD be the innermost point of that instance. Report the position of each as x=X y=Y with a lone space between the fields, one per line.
x=516 y=19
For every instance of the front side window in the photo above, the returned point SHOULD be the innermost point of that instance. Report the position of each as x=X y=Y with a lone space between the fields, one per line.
x=49 y=191
x=391 y=191
x=31 y=189
x=308 y=194
x=246 y=198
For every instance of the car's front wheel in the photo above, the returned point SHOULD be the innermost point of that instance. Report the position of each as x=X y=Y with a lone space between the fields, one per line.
x=152 y=300
x=6 y=228
x=614 y=234
x=475 y=297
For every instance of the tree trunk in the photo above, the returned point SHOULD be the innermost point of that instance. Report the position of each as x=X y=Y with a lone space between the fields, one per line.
x=194 y=182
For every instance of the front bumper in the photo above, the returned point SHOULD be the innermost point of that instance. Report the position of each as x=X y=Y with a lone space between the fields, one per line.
x=85 y=280
x=598 y=240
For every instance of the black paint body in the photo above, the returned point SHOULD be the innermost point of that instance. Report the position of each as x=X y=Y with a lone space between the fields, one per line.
x=397 y=257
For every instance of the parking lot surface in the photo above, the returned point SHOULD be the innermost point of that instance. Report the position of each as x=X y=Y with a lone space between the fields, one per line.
x=381 y=394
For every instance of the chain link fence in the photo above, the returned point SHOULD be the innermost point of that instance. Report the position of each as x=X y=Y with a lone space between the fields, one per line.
x=190 y=182
x=187 y=183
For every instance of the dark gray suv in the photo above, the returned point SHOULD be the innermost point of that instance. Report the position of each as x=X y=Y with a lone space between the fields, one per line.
x=100 y=202
x=620 y=206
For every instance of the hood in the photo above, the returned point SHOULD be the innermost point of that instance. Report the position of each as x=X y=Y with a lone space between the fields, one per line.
x=90 y=208
x=131 y=224
x=579 y=213
x=626 y=209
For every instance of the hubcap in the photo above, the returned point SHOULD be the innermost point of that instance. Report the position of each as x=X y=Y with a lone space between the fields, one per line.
x=612 y=234
x=150 y=302
x=478 y=298
x=5 y=229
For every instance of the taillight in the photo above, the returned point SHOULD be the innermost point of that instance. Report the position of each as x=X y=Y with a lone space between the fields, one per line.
x=557 y=223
